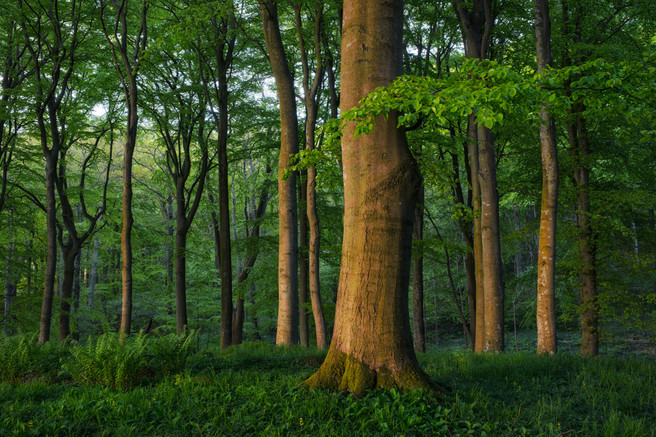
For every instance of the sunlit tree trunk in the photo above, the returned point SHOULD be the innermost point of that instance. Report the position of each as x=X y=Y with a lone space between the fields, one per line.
x=287 y=327
x=546 y=292
x=372 y=342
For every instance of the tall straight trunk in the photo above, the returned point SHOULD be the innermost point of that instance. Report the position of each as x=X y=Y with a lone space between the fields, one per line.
x=303 y=262
x=225 y=252
x=580 y=151
x=372 y=341
x=577 y=135
x=310 y=92
x=181 y=273
x=476 y=20
x=546 y=285
x=418 y=322
x=51 y=248
x=127 y=51
x=491 y=256
x=477 y=255
x=10 y=283
x=70 y=253
x=287 y=327
x=127 y=216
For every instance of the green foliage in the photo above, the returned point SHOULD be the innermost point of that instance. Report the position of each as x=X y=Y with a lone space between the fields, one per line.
x=170 y=353
x=106 y=361
x=21 y=357
x=253 y=389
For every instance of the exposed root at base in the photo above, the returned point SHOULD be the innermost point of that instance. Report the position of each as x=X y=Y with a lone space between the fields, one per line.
x=340 y=371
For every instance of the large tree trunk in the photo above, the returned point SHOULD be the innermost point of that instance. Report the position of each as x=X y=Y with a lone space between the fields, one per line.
x=372 y=341
x=546 y=292
x=287 y=328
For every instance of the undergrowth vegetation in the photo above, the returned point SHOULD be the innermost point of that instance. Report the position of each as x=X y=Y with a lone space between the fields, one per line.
x=170 y=386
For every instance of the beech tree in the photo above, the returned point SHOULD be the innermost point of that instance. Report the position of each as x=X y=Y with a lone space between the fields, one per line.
x=288 y=313
x=546 y=304
x=477 y=22
x=372 y=343
x=127 y=52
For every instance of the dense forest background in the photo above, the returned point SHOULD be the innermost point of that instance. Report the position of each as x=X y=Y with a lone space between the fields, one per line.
x=179 y=97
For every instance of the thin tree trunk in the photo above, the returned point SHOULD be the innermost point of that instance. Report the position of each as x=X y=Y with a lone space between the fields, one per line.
x=287 y=327
x=93 y=280
x=303 y=262
x=419 y=330
x=546 y=285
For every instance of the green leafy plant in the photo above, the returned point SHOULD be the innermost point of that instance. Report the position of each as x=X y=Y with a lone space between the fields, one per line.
x=107 y=362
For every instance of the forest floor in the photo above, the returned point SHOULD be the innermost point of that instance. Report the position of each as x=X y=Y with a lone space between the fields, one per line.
x=166 y=386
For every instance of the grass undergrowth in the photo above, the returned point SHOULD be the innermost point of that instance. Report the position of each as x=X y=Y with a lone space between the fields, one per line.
x=167 y=386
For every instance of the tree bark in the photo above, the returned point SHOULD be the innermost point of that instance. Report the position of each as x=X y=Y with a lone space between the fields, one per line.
x=310 y=93
x=287 y=328
x=580 y=153
x=303 y=261
x=476 y=22
x=372 y=341
x=546 y=285
x=418 y=322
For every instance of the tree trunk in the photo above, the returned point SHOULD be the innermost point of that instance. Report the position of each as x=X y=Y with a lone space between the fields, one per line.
x=580 y=153
x=480 y=331
x=494 y=318
x=546 y=286
x=477 y=21
x=180 y=280
x=587 y=246
x=93 y=280
x=70 y=252
x=238 y=322
x=372 y=341
x=287 y=327
x=51 y=257
x=303 y=262
x=419 y=330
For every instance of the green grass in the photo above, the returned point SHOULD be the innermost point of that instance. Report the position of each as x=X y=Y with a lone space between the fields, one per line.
x=253 y=390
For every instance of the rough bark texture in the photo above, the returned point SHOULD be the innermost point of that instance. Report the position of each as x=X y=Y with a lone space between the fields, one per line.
x=287 y=328
x=546 y=285
x=372 y=342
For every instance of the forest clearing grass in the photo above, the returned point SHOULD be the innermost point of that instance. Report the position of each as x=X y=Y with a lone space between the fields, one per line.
x=253 y=390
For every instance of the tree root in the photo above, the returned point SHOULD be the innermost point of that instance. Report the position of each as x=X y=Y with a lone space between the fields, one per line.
x=340 y=371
